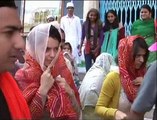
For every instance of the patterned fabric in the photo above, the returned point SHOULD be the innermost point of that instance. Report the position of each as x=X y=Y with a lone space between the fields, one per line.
x=96 y=34
x=127 y=70
x=16 y=102
x=58 y=103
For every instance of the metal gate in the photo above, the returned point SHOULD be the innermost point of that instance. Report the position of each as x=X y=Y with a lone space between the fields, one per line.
x=127 y=10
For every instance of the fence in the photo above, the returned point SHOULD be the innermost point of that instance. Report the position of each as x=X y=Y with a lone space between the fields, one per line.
x=127 y=10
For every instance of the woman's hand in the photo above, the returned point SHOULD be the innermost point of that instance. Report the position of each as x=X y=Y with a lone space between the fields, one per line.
x=120 y=115
x=138 y=81
x=61 y=81
x=46 y=81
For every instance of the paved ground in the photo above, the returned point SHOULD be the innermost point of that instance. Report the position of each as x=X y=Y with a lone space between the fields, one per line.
x=82 y=72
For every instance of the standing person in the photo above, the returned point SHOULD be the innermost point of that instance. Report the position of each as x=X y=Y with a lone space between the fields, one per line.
x=12 y=104
x=147 y=96
x=112 y=32
x=120 y=87
x=145 y=27
x=71 y=25
x=49 y=89
x=91 y=32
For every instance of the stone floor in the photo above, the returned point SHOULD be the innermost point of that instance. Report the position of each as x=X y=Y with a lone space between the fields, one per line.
x=82 y=72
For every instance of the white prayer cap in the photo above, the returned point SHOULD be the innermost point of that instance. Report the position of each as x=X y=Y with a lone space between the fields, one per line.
x=70 y=4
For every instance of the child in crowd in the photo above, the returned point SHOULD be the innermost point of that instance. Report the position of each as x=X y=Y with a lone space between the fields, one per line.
x=71 y=63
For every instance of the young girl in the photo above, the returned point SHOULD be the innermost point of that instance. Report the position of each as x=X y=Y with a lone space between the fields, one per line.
x=112 y=32
x=71 y=63
x=91 y=32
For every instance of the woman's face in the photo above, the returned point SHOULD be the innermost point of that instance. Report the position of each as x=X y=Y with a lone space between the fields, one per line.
x=51 y=50
x=140 y=58
x=111 y=17
x=92 y=16
x=145 y=14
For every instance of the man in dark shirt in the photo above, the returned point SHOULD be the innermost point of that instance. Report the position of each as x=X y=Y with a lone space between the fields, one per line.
x=12 y=103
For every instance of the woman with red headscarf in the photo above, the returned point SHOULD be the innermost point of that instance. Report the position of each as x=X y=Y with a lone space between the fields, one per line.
x=45 y=80
x=120 y=87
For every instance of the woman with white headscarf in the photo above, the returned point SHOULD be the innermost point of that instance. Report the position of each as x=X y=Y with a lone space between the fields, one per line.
x=45 y=80
x=92 y=82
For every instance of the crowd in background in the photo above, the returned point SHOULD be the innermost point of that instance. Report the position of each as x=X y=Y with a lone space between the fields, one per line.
x=120 y=80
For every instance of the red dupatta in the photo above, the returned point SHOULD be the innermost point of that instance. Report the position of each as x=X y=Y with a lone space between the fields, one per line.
x=14 y=98
x=58 y=103
x=127 y=70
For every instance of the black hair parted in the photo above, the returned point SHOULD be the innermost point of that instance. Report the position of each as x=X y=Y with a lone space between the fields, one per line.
x=109 y=25
x=54 y=33
x=140 y=43
x=8 y=3
x=147 y=7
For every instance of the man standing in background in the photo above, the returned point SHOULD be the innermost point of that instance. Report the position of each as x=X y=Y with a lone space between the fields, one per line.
x=71 y=25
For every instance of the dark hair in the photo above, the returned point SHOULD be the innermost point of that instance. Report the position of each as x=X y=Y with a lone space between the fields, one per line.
x=67 y=44
x=63 y=35
x=95 y=11
x=54 y=33
x=109 y=25
x=98 y=22
x=140 y=43
x=8 y=3
x=31 y=27
x=147 y=7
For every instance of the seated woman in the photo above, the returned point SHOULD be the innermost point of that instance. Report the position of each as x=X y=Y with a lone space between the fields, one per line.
x=45 y=80
x=92 y=83
x=120 y=87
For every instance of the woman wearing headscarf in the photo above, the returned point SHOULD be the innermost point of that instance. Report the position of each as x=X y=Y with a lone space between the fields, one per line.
x=92 y=83
x=45 y=80
x=146 y=27
x=120 y=87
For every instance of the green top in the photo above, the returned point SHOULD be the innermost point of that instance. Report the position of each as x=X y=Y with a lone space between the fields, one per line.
x=110 y=42
x=145 y=28
x=108 y=101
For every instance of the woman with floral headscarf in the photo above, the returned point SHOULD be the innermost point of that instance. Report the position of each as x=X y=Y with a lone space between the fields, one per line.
x=120 y=87
x=45 y=80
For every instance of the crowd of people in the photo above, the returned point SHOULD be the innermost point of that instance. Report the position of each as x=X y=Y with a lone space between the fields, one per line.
x=39 y=78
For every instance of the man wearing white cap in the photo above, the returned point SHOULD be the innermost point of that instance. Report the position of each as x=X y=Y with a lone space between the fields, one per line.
x=72 y=27
x=147 y=96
